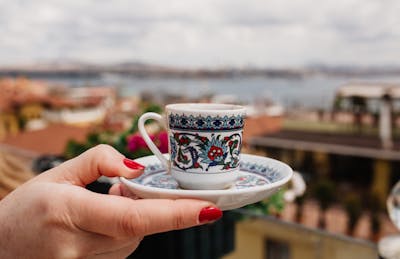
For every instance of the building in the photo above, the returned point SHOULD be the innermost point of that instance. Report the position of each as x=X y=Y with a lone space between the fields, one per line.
x=264 y=237
x=21 y=105
x=51 y=140
x=357 y=147
x=79 y=105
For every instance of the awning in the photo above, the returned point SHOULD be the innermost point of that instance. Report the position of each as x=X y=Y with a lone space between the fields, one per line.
x=368 y=90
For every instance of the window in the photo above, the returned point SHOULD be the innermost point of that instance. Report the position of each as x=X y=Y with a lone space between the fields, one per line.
x=276 y=249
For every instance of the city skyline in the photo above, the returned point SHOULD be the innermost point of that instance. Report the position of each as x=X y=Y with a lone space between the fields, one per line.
x=202 y=33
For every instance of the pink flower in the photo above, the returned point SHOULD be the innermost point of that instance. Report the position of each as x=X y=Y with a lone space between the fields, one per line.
x=163 y=141
x=136 y=142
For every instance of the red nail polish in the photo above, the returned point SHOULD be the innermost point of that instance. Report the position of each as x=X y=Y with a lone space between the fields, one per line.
x=132 y=164
x=209 y=214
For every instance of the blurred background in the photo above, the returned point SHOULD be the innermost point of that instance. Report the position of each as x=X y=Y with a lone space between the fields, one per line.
x=321 y=81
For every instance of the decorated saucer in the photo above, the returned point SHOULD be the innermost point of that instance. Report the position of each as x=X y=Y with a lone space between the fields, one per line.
x=258 y=178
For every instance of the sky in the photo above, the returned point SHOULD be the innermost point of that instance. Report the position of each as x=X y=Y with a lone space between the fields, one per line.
x=202 y=33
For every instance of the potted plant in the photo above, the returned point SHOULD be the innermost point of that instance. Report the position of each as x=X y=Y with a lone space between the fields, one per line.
x=353 y=207
x=324 y=192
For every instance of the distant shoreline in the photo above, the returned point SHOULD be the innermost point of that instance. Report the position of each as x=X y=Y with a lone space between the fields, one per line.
x=148 y=71
x=315 y=90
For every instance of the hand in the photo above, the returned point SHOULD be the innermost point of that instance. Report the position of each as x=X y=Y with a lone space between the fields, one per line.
x=54 y=216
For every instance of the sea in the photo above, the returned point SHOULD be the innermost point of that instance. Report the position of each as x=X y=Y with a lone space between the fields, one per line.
x=316 y=92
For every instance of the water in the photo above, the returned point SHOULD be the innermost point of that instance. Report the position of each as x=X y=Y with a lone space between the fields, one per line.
x=311 y=92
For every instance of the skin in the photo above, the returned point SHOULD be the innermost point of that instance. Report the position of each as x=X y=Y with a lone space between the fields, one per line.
x=54 y=216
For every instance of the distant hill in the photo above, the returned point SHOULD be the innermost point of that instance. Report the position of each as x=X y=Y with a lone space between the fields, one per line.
x=70 y=68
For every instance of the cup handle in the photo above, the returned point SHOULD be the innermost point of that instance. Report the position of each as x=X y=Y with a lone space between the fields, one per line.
x=147 y=139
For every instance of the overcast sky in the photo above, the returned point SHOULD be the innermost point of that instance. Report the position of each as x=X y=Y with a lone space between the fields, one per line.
x=199 y=33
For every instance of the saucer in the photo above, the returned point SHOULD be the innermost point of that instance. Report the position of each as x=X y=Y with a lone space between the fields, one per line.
x=258 y=178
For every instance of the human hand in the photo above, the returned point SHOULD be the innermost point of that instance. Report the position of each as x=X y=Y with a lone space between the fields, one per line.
x=54 y=216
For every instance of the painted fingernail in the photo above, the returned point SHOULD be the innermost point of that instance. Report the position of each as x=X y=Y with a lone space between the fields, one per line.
x=209 y=214
x=132 y=164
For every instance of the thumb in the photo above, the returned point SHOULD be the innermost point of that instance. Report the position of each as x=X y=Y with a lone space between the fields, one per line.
x=90 y=165
x=119 y=216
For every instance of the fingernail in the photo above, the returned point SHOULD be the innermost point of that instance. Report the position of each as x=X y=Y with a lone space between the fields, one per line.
x=132 y=164
x=209 y=214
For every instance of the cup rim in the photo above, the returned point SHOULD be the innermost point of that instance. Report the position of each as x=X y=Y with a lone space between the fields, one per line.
x=216 y=108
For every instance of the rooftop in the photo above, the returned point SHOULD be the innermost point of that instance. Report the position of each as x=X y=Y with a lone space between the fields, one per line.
x=261 y=125
x=341 y=144
x=369 y=90
x=20 y=90
x=50 y=140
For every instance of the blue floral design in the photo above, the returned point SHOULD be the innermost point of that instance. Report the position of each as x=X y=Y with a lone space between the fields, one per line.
x=196 y=151
x=173 y=147
x=205 y=123
x=214 y=152
x=250 y=181
x=270 y=173
x=163 y=181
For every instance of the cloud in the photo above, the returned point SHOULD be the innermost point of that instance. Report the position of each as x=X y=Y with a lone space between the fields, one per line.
x=202 y=33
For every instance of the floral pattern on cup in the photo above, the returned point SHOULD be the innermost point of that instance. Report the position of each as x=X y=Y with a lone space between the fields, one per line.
x=205 y=123
x=195 y=151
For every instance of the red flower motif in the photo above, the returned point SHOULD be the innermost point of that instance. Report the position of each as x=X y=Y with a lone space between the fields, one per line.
x=184 y=140
x=226 y=138
x=214 y=153
x=196 y=165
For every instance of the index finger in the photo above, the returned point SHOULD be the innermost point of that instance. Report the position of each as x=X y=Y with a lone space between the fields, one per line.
x=90 y=165
x=120 y=216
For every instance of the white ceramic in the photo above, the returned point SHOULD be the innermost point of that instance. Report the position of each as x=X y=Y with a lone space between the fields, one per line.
x=388 y=247
x=258 y=178
x=204 y=143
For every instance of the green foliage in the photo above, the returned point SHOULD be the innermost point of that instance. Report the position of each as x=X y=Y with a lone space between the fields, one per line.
x=153 y=108
x=375 y=222
x=147 y=108
x=93 y=139
x=373 y=203
x=324 y=192
x=74 y=148
x=338 y=103
x=353 y=206
x=359 y=103
x=271 y=206
x=118 y=141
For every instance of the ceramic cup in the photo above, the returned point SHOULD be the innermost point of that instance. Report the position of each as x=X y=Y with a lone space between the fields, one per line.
x=204 y=143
